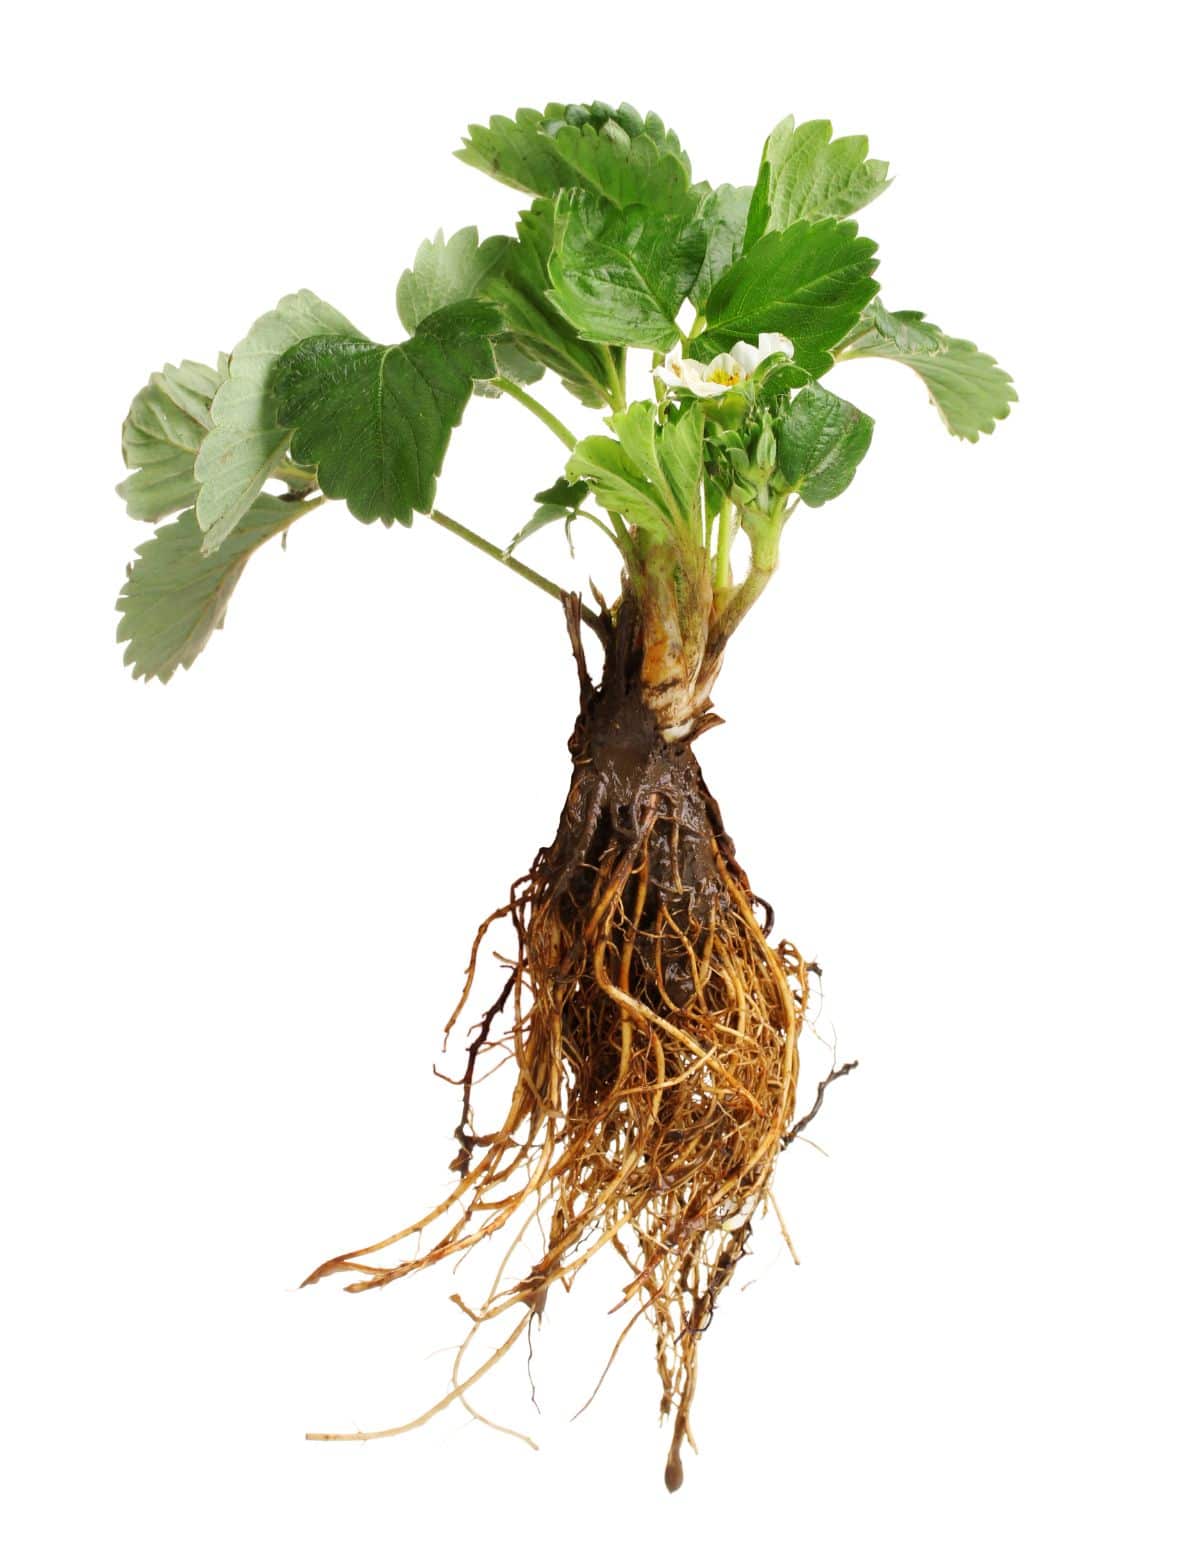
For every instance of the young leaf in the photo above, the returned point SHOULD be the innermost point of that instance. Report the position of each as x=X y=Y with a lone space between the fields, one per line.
x=809 y=283
x=650 y=473
x=820 y=443
x=518 y=289
x=376 y=420
x=721 y=213
x=166 y=424
x=620 y=276
x=805 y=176
x=970 y=390
x=175 y=594
x=560 y=501
x=246 y=441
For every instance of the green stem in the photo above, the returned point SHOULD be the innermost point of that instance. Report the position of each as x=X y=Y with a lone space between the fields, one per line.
x=616 y=382
x=542 y=413
x=725 y=534
x=296 y=476
x=526 y=573
x=764 y=560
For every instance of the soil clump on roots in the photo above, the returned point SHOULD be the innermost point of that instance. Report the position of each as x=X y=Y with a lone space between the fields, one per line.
x=652 y=1029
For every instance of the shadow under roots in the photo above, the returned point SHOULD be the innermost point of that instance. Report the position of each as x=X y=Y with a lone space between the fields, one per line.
x=653 y=1033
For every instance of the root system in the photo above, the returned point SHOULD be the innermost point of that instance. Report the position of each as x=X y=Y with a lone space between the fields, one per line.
x=651 y=1026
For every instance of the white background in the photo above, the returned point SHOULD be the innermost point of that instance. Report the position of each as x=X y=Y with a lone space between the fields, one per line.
x=959 y=759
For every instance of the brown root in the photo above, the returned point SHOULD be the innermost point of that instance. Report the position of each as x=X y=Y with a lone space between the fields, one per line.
x=653 y=1031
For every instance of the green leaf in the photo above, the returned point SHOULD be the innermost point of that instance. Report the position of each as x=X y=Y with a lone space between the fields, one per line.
x=376 y=420
x=596 y=150
x=611 y=121
x=166 y=424
x=721 y=213
x=620 y=276
x=627 y=170
x=804 y=176
x=820 y=443
x=970 y=389
x=446 y=271
x=650 y=473
x=453 y=270
x=560 y=501
x=247 y=441
x=175 y=594
x=518 y=289
x=518 y=152
x=809 y=283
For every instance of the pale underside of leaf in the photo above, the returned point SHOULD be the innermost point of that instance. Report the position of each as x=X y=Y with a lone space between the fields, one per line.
x=970 y=390
x=166 y=424
x=247 y=442
x=454 y=270
x=444 y=271
x=176 y=595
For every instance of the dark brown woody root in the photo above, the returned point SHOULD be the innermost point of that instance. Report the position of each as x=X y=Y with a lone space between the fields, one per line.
x=653 y=1029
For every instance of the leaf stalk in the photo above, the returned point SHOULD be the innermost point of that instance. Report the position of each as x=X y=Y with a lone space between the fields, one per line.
x=542 y=413
x=515 y=565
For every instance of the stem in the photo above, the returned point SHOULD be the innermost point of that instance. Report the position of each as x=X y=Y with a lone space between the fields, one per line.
x=542 y=413
x=764 y=559
x=526 y=573
x=616 y=382
x=296 y=476
x=725 y=534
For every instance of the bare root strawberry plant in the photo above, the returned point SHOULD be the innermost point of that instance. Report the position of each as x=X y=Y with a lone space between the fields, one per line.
x=648 y=1017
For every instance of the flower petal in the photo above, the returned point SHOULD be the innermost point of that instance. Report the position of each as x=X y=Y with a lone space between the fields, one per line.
x=707 y=388
x=771 y=342
x=745 y=356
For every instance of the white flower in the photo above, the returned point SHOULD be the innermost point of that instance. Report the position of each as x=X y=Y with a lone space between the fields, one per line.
x=726 y=371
